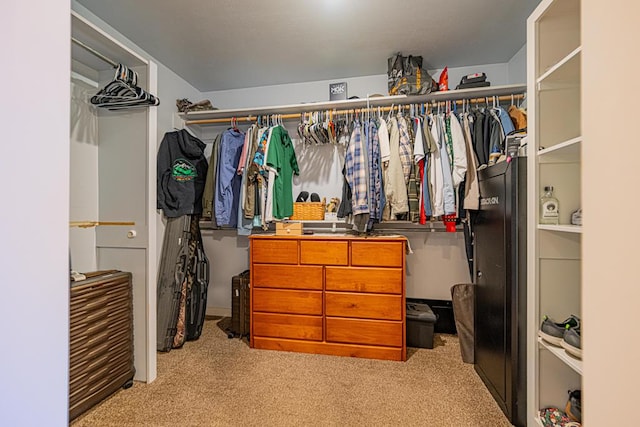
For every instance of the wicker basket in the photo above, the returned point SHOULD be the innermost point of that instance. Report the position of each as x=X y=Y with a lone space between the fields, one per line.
x=308 y=211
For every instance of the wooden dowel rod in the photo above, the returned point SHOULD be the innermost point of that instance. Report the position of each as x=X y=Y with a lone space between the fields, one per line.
x=88 y=224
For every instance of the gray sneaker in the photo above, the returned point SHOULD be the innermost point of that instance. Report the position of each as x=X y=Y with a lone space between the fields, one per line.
x=571 y=342
x=553 y=332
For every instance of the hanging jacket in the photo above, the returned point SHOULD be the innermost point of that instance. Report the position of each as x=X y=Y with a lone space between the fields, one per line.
x=459 y=151
x=395 y=189
x=405 y=149
x=448 y=193
x=375 y=173
x=210 y=183
x=427 y=185
x=472 y=190
x=181 y=174
x=496 y=136
x=355 y=165
x=227 y=195
x=505 y=120
x=478 y=137
x=518 y=117
x=281 y=160
x=436 y=178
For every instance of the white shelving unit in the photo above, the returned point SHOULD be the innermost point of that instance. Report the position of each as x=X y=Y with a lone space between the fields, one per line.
x=554 y=264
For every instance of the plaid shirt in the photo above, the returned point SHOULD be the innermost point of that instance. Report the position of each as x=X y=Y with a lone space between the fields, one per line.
x=356 y=174
x=406 y=152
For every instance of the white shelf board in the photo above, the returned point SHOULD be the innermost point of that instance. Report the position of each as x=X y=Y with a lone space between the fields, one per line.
x=565 y=70
x=94 y=37
x=564 y=152
x=319 y=221
x=565 y=228
x=382 y=101
x=538 y=420
x=572 y=362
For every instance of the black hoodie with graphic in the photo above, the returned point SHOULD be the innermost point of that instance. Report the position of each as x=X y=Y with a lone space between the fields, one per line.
x=182 y=171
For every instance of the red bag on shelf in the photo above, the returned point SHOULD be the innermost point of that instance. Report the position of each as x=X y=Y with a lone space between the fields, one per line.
x=443 y=83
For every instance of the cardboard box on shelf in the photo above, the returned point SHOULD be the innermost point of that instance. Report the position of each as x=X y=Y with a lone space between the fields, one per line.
x=288 y=228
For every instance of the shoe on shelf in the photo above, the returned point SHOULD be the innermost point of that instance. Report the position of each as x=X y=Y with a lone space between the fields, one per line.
x=576 y=217
x=573 y=409
x=553 y=332
x=554 y=417
x=571 y=342
x=302 y=197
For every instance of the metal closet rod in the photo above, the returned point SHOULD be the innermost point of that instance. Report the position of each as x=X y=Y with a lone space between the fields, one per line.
x=94 y=52
x=407 y=105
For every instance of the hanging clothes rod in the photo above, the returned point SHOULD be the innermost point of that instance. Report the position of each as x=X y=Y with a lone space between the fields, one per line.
x=94 y=52
x=90 y=224
x=404 y=105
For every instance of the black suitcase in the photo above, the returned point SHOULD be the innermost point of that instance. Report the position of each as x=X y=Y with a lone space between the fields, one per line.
x=197 y=298
x=240 y=306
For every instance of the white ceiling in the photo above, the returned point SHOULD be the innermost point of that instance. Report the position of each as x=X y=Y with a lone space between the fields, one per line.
x=229 y=44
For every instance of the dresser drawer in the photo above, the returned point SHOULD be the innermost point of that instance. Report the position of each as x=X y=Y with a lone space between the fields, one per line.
x=368 y=306
x=323 y=252
x=287 y=276
x=274 y=251
x=287 y=326
x=286 y=301
x=359 y=279
x=373 y=332
x=377 y=254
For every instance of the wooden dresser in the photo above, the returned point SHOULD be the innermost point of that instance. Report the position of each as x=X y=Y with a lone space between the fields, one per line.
x=326 y=294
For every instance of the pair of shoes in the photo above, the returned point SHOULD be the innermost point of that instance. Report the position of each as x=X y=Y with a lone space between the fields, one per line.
x=573 y=409
x=553 y=332
x=304 y=195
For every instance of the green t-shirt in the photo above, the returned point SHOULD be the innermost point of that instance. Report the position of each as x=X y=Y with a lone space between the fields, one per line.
x=282 y=158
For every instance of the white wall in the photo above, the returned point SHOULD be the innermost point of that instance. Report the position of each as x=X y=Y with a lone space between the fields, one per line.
x=83 y=195
x=496 y=73
x=319 y=90
x=610 y=177
x=34 y=219
x=517 y=67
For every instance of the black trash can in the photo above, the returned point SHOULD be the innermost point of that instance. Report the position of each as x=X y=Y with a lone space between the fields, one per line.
x=420 y=323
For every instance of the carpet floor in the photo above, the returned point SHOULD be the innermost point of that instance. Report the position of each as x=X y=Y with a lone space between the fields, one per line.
x=216 y=381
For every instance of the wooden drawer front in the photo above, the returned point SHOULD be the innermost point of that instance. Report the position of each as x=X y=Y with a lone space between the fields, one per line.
x=285 y=301
x=322 y=252
x=368 y=306
x=378 y=280
x=274 y=251
x=287 y=276
x=374 y=332
x=287 y=326
x=377 y=254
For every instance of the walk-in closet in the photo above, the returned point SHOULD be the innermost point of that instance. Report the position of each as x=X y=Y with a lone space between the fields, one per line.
x=338 y=213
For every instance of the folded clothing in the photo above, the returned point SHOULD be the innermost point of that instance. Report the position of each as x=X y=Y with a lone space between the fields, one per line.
x=473 y=78
x=471 y=85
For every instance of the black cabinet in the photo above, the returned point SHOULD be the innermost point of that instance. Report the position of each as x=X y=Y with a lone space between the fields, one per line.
x=500 y=260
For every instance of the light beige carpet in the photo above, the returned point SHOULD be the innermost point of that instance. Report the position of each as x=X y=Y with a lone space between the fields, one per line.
x=216 y=381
